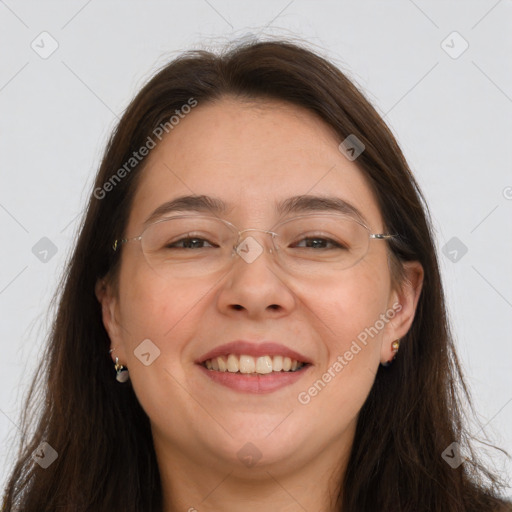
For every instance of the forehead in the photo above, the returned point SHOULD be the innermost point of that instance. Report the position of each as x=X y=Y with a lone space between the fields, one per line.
x=252 y=156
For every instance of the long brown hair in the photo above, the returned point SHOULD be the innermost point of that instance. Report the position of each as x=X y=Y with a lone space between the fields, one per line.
x=415 y=410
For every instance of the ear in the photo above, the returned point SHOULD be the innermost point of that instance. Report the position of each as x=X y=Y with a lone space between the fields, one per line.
x=403 y=301
x=109 y=312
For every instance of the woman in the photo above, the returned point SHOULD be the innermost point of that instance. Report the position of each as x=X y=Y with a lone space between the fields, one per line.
x=253 y=317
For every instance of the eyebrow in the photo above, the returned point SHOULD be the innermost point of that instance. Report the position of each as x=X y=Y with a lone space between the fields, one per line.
x=295 y=204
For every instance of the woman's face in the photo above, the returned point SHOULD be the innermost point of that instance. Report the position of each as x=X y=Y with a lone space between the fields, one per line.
x=252 y=157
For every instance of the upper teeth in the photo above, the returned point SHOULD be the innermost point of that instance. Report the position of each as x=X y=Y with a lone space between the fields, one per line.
x=249 y=364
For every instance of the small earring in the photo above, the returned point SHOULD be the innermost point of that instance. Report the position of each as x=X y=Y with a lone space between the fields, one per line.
x=394 y=347
x=122 y=373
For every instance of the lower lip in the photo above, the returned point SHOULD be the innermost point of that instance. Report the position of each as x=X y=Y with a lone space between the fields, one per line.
x=265 y=383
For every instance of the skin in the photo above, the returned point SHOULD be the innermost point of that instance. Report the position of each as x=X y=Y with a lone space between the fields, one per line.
x=251 y=154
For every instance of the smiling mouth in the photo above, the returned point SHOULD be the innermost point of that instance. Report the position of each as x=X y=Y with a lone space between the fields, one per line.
x=249 y=365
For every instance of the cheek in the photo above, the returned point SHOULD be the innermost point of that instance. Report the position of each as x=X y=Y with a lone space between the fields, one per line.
x=354 y=316
x=163 y=312
x=353 y=304
x=350 y=310
x=158 y=321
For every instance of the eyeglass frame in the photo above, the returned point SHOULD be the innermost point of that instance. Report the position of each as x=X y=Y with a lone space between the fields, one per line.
x=372 y=236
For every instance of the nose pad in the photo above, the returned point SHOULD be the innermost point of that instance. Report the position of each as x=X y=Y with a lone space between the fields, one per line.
x=249 y=249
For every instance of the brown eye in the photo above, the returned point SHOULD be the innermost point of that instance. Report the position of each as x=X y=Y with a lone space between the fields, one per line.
x=320 y=243
x=188 y=243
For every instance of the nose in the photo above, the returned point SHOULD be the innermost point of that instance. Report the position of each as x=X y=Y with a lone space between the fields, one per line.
x=254 y=285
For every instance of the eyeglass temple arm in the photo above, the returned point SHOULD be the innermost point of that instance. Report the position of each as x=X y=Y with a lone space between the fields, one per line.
x=381 y=236
x=120 y=241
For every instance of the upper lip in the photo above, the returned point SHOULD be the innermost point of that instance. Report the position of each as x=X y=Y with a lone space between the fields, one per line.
x=262 y=348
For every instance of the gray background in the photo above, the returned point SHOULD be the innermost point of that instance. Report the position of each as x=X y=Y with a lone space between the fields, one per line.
x=450 y=109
